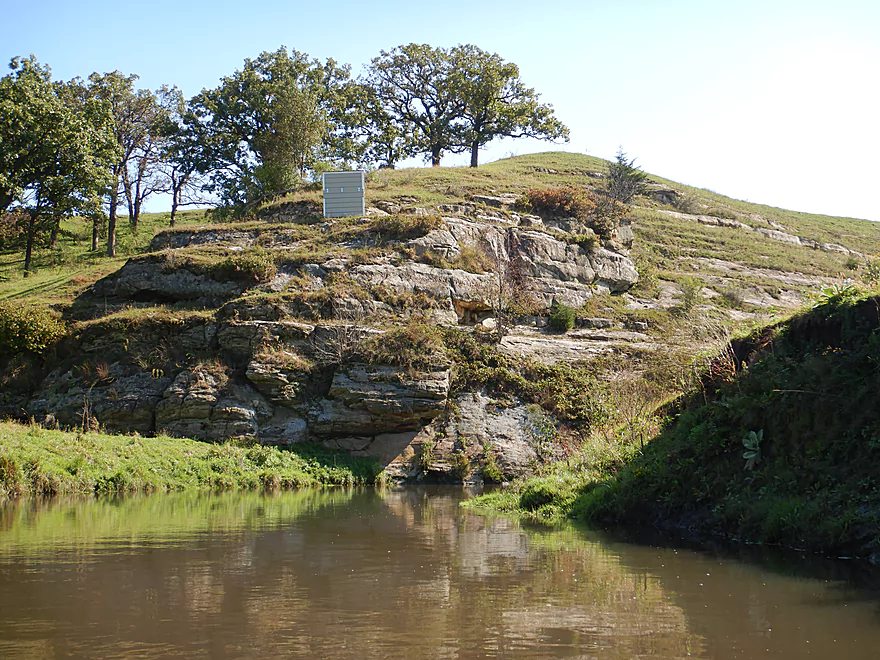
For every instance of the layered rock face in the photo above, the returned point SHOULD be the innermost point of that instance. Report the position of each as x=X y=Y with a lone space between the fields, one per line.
x=280 y=362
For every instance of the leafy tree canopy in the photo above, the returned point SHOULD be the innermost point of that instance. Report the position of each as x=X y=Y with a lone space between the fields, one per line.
x=266 y=124
x=498 y=103
x=56 y=147
x=448 y=100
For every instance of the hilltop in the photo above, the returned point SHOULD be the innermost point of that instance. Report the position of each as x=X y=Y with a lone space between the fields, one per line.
x=451 y=333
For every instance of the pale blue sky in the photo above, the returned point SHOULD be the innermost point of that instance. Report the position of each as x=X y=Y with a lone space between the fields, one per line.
x=771 y=101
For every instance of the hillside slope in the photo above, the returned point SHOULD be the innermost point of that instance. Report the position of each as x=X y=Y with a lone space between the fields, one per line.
x=407 y=335
x=779 y=444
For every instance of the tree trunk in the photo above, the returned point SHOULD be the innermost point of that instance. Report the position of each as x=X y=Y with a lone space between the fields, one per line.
x=435 y=157
x=56 y=227
x=175 y=200
x=475 y=154
x=96 y=232
x=111 y=223
x=29 y=246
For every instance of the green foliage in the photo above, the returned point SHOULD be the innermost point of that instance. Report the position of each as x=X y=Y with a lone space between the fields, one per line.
x=871 y=271
x=690 y=292
x=625 y=180
x=403 y=227
x=248 y=267
x=28 y=328
x=752 y=444
x=561 y=317
x=264 y=125
x=459 y=464
x=425 y=100
x=413 y=346
x=37 y=461
x=497 y=103
x=837 y=295
x=491 y=470
x=56 y=147
x=570 y=393
x=586 y=242
x=426 y=455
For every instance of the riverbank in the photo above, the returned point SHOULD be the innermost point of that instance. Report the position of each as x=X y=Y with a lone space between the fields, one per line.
x=779 y=444
x=39 y=461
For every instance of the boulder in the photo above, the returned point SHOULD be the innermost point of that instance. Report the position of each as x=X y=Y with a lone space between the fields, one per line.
x=124 y=400
x=502 y=201
x=152 y=280
x=201 y=404
x=368 y=400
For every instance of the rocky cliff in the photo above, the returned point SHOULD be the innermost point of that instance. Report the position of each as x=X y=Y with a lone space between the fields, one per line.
x=294 y=328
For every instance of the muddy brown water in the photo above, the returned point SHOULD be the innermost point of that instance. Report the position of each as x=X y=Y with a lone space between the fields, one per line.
x=396 y=574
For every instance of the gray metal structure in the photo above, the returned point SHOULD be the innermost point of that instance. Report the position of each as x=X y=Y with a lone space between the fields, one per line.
x=343 y=194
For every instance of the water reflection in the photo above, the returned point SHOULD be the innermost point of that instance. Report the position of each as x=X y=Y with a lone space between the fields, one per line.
x=370 y=574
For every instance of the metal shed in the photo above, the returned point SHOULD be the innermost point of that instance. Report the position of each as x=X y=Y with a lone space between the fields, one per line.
x=343 y=194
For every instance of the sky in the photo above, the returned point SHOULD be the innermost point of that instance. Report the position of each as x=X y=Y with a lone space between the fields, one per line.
x=770 y=101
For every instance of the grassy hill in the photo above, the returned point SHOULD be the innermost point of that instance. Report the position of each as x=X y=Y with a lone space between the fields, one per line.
x=709 y=267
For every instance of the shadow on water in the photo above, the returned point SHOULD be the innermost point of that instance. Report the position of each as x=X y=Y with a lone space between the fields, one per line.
x=855 y=577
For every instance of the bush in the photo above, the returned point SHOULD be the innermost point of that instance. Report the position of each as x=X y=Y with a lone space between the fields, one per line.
x=601 y=213
x=561 y=317
x=250 y=267
x=405 y=227
x=27 y=328
x=566 y=201
x=625 y=180
x=414 y=346
x=690 y=291
x=491 y=470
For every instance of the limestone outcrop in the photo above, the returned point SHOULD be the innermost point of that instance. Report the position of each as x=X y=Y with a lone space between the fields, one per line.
x=280 y=359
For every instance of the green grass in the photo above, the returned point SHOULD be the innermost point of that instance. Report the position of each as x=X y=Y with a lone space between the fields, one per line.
x=38 y=461
x=810 y=386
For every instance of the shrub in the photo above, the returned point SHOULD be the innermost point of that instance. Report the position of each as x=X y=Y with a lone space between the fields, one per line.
x=414 y=346
x=586 y=241
x=690 y=291
x=491 y=470
x=561 y=317
x=625 y=180
x=459 y=464
x=27 y=328
x=249 y=267
x=405 y=226
x=566 y=201
x=601 y=213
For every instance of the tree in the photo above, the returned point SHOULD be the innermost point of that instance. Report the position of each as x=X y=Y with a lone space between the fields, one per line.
x=144 y=174
x=135 y=121
x=264 y=125
x=497 y=103
x=625 y=180
x=183 y=141
x=422 y=96
x=365 y=133
x=56 y=149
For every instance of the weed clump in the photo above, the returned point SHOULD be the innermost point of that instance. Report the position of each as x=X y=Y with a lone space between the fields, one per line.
x=561 y=317
x=247 y=267
x=601 y=213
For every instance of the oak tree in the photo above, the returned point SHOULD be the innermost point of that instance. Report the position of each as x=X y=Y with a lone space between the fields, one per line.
x=421 y=94
x=56 y=148
x=265 y=123
x=497 y=103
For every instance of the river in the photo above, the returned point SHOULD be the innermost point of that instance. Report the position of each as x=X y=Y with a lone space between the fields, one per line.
x=397 y=574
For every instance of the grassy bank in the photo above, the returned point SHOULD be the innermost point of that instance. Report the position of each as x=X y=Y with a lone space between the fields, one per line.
x=781 y=444
x=37 y=461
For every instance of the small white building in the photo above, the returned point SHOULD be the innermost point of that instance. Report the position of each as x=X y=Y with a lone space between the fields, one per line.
x=343 y=194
